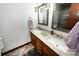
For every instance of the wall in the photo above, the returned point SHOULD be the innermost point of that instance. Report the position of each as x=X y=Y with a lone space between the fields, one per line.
x=30 y=11
x=13 y=24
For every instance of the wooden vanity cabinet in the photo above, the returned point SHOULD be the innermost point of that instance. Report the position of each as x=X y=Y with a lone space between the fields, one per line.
x=33 y=39
x=41 y=47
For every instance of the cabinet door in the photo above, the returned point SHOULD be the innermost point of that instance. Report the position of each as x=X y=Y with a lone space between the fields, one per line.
x=39 y=46
x=48 y=51
x=36 y=42
x=33 y=39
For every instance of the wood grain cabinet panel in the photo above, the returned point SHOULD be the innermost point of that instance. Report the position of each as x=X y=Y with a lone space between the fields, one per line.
x=33 y=39
x=39 y=49
x=48 y=51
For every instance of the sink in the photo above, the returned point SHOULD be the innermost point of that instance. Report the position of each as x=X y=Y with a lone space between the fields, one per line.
x=54 y=41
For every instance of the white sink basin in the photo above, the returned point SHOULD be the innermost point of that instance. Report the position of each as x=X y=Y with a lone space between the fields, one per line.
x=56 y=42
x=1 y=44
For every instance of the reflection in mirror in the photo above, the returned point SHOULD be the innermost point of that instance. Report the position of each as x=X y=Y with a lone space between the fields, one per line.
x=43 y=12
x=60 y=16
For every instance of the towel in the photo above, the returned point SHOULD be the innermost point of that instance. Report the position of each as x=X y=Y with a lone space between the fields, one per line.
x=72 y=40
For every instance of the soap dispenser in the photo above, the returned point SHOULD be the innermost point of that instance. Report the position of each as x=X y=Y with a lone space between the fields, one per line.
x=30 y=23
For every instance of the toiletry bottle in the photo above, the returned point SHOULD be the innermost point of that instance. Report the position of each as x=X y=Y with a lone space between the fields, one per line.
x=30 y=23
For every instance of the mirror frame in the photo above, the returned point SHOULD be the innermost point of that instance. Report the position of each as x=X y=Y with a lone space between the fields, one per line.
x=47 y=15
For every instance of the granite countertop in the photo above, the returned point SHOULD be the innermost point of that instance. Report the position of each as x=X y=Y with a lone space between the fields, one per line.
x=56 y=44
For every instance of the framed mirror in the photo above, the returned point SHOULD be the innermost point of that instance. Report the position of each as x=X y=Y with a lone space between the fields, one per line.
x=43 y=14
x=60 y=16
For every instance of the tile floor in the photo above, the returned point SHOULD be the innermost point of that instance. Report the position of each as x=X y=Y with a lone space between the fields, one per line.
x=21 y=51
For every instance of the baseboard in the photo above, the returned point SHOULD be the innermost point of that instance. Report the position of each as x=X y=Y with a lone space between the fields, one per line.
x=15 y=48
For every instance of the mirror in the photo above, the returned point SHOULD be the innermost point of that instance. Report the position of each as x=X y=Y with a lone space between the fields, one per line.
x=60 y=16
x=43 y=12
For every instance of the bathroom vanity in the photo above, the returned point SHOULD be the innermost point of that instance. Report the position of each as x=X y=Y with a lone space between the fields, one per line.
x=41 y=47
x=49 y=45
